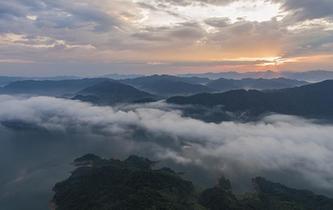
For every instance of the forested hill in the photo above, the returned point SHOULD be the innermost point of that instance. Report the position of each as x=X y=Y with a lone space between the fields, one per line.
x=315 y=100
x=133 y=184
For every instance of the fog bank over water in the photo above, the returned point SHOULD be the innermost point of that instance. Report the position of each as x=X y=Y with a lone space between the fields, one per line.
x=40 y=136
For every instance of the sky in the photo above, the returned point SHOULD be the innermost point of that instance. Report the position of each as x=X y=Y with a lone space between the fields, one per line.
x=96 y=37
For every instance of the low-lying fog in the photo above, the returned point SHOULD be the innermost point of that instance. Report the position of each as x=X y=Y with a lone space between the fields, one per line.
x=40 y=136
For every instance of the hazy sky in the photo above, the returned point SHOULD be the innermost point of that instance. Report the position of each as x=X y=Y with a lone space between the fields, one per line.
x=53 y=37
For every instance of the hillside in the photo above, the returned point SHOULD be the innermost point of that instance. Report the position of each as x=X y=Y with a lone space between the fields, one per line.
x=130 y=184
x=166 y=85
x=110 y=92
x=133 y=184
x=313 y=100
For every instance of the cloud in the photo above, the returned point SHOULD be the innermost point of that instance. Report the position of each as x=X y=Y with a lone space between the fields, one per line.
x=218 y=22
x=184 y=34
x=9 y=10
x=109 y=31
x=59 y=14
x=302 y=10
x=284 y=148
x=189 y=2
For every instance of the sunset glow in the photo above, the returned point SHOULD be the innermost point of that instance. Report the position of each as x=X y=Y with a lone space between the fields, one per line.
x=242 y=35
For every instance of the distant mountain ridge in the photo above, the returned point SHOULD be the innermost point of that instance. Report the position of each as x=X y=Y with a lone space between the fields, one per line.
x=314 y=100
x=310 y=76
x=166 y=85
x=143 y=89
x=49 y=87
x=5 y=80
x=234 y=75
x=258 y=84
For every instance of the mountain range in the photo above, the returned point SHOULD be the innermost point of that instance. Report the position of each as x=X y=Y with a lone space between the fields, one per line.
x=111 y=92
x=310 y=76
x=251 y=96
x=163 y=86
x=166 y=85
x=49 y=87
x=223 y=85
x=5 y=80
x=314 y=100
